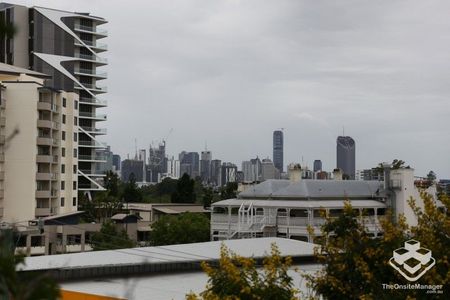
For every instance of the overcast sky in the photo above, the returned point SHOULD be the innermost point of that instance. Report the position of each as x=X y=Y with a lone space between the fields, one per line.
x=230 y=72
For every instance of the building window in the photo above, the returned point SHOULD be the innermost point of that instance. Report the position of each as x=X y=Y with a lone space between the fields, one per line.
x=75 y=104
x=64 y=119
x=75 y=136
x=62 y=201
x=74 y=185
x=63 y=152
x=63 y=185
x=75 y=121
x=64 y=102
x=74 y=169
x=63 y=168
x=74 y=201
x=75 y=153
x=63 y=136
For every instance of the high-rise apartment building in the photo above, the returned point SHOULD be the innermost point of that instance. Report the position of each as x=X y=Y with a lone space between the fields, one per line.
x=189 y=164
x=64 y=45
x=268 y=170
x=216 y=175
x=252 y=170
x=132 y=168
x=38 y=147
x=228 y=173
x=157 y=162
x=345 y=156
x=278 y=141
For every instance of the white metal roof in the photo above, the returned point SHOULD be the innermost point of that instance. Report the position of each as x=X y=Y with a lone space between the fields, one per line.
x=299 y=203
x=256 y=248
x=5 y=68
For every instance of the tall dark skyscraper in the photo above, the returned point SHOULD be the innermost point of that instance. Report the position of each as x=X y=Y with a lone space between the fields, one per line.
x=317 y=165
x=278 y=149
x=345 y=155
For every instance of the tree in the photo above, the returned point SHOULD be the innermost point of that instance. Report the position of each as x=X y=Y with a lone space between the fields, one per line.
x=109 y=237
x=185 y=190
x=131 y=192
x=356 y=264
x=111 y=182
x=182 y=229
x=431 y=176
x=208 y=196
x=237 y=277
x=7 y=30
x=229 y=191
x=21 y=285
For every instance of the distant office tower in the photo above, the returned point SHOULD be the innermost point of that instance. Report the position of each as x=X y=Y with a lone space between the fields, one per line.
x=345 y=156
x=205 y=166
x=228 y=173
x=190 y=164
x=116 y=162
x=173 y=168
x=157 y=162
x=317 y=165
x=38 y=147
x=64 y=45
x=278 y=150
x=268 y=170
x=252 y=170
x=132 y=166
x=216 y=176
x=107 y=156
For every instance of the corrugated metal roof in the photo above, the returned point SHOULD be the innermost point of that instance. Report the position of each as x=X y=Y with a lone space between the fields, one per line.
x=299 y=203
x=256 y=248
x=308 y=188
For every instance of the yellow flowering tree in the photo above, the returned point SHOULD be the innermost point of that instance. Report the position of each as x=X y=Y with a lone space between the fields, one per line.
x=356 y=264
x=236 y=277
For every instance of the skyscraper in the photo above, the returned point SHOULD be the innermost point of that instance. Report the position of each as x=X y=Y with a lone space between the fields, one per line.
x=65 y=46
x=205 y=166
x=317 y=165
x=345 y=156
x=278 y=141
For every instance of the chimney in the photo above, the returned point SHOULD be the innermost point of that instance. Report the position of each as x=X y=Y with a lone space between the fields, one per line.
x=337 y=174
x=295 y=172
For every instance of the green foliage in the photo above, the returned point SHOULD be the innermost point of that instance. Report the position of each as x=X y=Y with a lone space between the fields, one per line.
x=131 y=192
x=185 y=190
x=110 y=238
x=208 y=196
x=21 y=286
x=181 y=229
x=431 y=176
x=237 y=277
x=356 y=265
x=7 y=30
x=229 y=191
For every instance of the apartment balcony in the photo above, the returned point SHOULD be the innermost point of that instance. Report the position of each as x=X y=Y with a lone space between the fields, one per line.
x=47 y=106
x=93 y=101
x=2 y=175
x=93 y=158
x=44 y=141
x=93 y=88
x=93 y=116
x=2 y=121
x=91 y=144
x=42 y=212
x=55 y=159
x=43 y=194
x=98 y=47
x=54 y=193
x=91 y=173
x=92 y=58
x=93 y=130
x=44 y=158
x=2 y=157
x=43 y=176
x=44 y=124
x=99 y=32
x=2 y=103
x=91 y=73
x=2 y=139
x=2 y=193
x=1 y=211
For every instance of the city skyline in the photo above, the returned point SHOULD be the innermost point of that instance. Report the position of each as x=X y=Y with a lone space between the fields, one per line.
x=363 y=66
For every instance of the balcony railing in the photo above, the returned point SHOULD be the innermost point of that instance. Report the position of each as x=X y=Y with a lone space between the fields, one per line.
x=92 y=58
x=92 y=115
x=94 y=130
x=93 y=87
x=92 y=144
x=94 y=101
x=95 y=30
x=91 y=72
x=92 y=157
x=92 y=44
x=41 y=212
